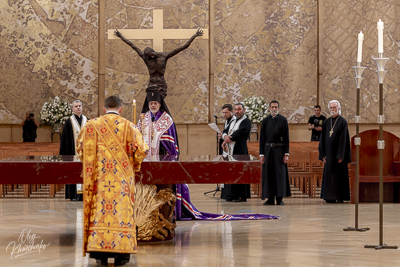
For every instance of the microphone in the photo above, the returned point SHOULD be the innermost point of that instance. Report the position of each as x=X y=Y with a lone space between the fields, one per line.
x=215 y=116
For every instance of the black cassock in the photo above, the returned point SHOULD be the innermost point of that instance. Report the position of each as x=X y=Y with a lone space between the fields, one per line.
x=226 y=129
x=240 y=136
x=67 y=147
x=335 y=179
x=275 y=177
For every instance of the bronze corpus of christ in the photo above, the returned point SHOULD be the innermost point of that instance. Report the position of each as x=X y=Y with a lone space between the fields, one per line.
x=156 y=62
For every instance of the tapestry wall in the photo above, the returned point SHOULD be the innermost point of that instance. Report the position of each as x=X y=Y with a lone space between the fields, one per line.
x=265 y=48
x=343 y=20
x=48 y=49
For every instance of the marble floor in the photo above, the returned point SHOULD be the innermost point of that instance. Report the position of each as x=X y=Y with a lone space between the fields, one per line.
x=309 y=233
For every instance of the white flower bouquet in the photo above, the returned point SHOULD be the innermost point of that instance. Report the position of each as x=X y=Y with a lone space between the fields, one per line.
x=55 y=111
x=256 y=108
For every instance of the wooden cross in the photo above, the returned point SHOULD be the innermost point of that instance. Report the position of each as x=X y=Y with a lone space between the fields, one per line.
x=158 y=34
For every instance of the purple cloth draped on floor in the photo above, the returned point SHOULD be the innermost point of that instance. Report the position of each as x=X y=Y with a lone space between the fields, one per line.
x=183 y=202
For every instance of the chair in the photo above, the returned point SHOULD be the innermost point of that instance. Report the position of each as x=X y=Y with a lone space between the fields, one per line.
x=369 y=167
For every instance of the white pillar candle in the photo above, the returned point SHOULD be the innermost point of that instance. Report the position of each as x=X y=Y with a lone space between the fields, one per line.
x=360 y=44
x=380 y=37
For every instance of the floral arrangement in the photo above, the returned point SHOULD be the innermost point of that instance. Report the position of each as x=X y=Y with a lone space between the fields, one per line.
x=256 y=108
x=55 y=111
x=51 y=158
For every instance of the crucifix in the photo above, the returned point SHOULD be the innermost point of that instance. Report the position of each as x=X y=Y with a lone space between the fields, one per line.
x=156 y=62
x=158 y=34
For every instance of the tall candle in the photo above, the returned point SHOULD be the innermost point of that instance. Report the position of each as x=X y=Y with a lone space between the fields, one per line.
x=380 y=37
x=134 y=110
x=360 y=44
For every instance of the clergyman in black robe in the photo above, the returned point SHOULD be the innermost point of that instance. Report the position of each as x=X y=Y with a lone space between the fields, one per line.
x=227 y=111
x=274 y=155
x=67 y=143
x=334 y=150
x=238 y=132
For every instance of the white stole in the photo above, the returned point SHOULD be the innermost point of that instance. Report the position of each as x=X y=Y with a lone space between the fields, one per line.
x=226 y=122
x=76 y=129
x=232 y=128
x=152 y=131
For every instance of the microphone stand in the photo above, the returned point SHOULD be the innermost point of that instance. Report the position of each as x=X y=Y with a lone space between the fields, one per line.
x=216 y=189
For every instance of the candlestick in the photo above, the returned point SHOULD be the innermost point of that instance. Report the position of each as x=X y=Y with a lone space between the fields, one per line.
x=142 y=115
x=380 y=36
x=134 y=110
x=381 y=62
x=360 y=44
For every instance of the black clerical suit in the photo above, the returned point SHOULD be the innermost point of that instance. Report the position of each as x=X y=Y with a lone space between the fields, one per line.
x=332 y=147
x=67 y=147
x=239 y=192
x=274 y=144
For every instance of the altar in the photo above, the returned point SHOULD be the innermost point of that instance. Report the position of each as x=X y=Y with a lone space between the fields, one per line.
x=202 y=169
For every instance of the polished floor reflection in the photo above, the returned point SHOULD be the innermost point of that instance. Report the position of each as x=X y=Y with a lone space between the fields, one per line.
x=309 y=233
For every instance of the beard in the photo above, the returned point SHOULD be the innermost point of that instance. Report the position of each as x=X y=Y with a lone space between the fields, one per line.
x=334 y=113
x=155 y=110
x=275 y=112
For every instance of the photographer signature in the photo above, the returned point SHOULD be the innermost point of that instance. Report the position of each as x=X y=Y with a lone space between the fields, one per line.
x=25 y=244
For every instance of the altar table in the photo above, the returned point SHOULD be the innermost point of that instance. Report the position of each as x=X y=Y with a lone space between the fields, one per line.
x=204 y=169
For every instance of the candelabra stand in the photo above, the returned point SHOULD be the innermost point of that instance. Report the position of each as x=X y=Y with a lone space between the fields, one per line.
x=357 y=141
x=380 y=63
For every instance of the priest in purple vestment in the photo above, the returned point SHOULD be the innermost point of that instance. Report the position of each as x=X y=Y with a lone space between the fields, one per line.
x=158 y=128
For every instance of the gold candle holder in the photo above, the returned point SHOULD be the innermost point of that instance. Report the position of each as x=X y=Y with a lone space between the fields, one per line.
x=134 y=110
